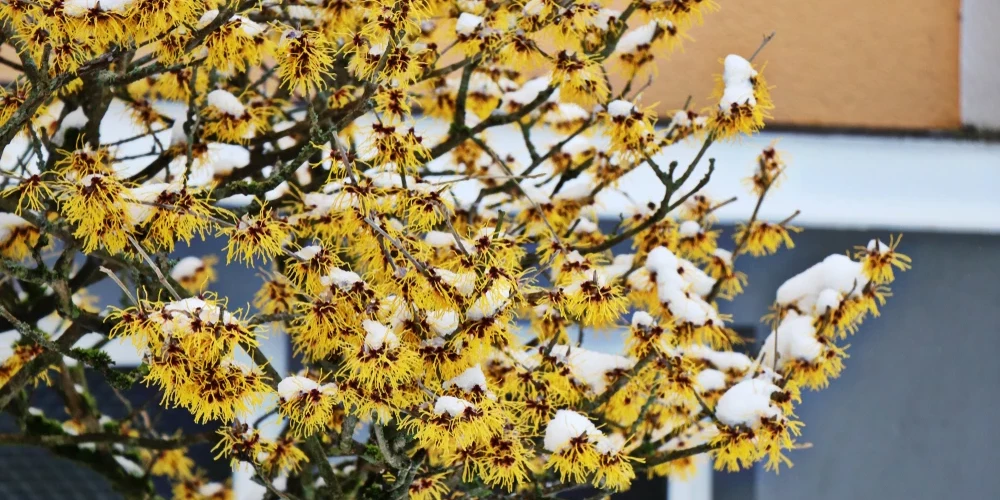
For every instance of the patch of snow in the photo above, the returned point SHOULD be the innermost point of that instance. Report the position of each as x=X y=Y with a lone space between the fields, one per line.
x=689 y=229
x=465 y=283
x=620 y=108
x=565 y=426
x=226 y=103
x=129 y=466
x=451 y=405
x=186 y=267
x=295 y=386
x=341 y=278
x=710 y=380
x=467 y=24
x=378 y=335
x=746 y=402
x=469 y=380
x=443 y=322
x=634 y=40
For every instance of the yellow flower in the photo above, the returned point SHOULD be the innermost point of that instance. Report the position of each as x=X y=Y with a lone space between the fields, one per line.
x=506 y=460
x=595 y=303
x=256 y=237
x=744 y=100
x=95 y=203
x=104 y=26
x=309 y=265
x=276 y=295
x=227 y=118
x=520 y=51
x=755 y=423
x=473 y=35
x=720 y=267
x=21 y=356
x=548 y=323
x=12 y=99
x=393 y=103
x=239 y=441
x=145 y=115
x=235 y=44
x=445 y=358
x=680 y=12
x=221 y=392
x=580 y=78
x=154 y=15
x=176 y=85
x=571 y=439
x=879 y=259
x=636 y=49
x=401 y=63
x=194 y=273
x=172 y=463
x=30 y=190
x=169 y=214
x=381 y=361
x=283 y=456
x=770 y=170
x=614 y=469
x=631 y=130
x=15 y=11
x=304 y=59
x=696 y=242
x=646 y=336
x=765 y=238
x=396 y=146
x=17 y=236
x=455 y=422
x=199 y=488
x=873 y=297
x=306 y=403
x=429 y=487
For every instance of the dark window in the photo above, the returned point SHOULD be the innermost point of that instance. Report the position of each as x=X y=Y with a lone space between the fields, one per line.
x=28 y=472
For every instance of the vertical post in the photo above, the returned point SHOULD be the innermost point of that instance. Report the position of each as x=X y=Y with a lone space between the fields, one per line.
x=696 y=487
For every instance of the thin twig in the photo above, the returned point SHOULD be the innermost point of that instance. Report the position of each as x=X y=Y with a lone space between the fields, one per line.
x=141 y=442
x=156 y=269
x=763 y=43
x=121 y=285
x=506 y=169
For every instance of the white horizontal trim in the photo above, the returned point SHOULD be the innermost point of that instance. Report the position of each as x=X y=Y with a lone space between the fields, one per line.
x=121 y=350
x=837 y=181
x=851 y=182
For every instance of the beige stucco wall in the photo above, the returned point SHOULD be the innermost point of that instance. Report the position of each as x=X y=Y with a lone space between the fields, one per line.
x=840 y=63
x=853 y=63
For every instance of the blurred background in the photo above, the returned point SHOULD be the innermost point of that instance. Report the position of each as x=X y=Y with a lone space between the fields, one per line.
x=889 y=115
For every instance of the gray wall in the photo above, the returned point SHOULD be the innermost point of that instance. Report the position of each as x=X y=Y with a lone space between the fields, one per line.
x=914 y=414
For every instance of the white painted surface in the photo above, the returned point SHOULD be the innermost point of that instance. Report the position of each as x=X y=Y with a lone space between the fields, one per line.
x=696 y=487
x=980 y=71
x=836 y=181
x=277 y=349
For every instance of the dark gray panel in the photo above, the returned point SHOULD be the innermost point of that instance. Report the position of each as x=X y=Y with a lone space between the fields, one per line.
x=914 y=414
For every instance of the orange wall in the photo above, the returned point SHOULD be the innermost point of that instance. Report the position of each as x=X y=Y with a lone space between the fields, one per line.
x=840 y=63
x=849 y=63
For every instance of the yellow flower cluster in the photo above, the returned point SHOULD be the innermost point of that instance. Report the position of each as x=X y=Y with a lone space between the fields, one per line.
x=440 y=282
x=190 y=346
